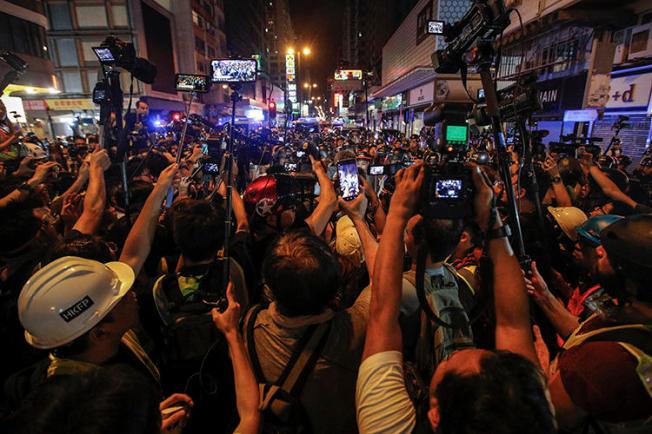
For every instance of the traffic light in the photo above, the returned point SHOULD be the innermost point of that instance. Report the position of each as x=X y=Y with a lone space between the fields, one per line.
x=272 y=109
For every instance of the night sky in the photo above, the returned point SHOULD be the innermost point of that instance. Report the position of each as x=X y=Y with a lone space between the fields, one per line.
x=317 y=24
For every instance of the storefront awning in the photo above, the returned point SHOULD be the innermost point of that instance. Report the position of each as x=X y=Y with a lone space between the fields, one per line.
x=412 y=79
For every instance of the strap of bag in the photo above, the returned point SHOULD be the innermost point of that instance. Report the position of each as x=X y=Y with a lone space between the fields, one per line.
x=249 y=323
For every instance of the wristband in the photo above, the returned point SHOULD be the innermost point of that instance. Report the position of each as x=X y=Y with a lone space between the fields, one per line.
x=500 y=232
x=556 y=179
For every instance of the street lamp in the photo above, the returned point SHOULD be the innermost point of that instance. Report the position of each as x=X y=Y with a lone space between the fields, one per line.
x=307 y=51
x=306 y=85
x=314 y=85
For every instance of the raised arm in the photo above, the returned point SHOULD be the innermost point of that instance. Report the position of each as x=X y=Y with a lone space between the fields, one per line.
x=139 y=240
x=562 y=320
x=321 y=215
x=556 y=184
x=95 y=199
x=609 y=188
x=246 y=386
x=513 y=332
x=40 y=175
x=383 y=329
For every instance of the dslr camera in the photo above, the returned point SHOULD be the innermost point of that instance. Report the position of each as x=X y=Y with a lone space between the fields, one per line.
x=447 y=191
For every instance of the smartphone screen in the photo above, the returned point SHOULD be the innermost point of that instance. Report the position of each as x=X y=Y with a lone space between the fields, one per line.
x=347 y=174
x=204 y=149
x=376 y=170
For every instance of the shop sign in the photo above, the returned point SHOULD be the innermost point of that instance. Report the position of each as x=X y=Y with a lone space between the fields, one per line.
x=561 y=93
x=392 y=102
x=34 y=104
x=588 y=115
x=71 y=104
x=422 y=94
x=631 y=91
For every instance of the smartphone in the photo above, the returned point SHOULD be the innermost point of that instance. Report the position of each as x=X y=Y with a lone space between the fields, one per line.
x=211 y=168
x=204 y=149
x=377 y=170
x=347 y=174
x=291 y=167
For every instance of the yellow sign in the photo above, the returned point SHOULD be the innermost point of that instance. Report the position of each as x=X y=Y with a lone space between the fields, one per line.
x=71 y=104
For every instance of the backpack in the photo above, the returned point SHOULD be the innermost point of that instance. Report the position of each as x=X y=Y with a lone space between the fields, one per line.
x=436 y=341
x=283 y=412
x=188 y=329
x=636 y=339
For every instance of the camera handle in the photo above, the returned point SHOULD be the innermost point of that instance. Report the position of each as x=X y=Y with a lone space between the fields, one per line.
x=485 y=60
x=235 y=97
x=617 y=128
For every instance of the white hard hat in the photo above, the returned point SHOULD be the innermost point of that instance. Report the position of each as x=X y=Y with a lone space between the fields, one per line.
x=68 y=297
x=568 y=218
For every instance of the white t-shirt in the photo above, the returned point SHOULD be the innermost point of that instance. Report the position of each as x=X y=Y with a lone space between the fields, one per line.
x=381 y=399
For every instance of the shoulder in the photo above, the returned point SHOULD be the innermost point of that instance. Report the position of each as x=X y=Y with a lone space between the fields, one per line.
x=594 y=373
x=382 y=401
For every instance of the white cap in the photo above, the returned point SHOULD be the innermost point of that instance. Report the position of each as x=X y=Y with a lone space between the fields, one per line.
x=68 y=297
x=568 y=218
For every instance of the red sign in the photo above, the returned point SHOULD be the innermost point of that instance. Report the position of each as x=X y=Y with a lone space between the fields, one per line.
x=34 y=104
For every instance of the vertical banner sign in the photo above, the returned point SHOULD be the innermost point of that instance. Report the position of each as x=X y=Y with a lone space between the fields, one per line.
x=291 y=78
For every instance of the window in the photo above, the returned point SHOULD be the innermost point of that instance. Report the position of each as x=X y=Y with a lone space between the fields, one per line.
x=199 y=45
x=72 y=82
x=211 y=52
x=91 y=16
x=87 y=50
x=67 y=52
x=200 y=67
x=22 y=37
x=120 y=16
x=422 y=22
x=91 y=76
x=59 y=16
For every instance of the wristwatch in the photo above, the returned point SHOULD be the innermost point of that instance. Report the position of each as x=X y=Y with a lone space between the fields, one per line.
x=556 y=179
x=500 y=232
x=25 y=187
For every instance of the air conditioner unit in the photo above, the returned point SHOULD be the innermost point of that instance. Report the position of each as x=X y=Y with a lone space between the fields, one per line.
x=640 y=44
x=621 y=39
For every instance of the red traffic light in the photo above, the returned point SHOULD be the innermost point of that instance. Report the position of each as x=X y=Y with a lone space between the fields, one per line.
x=272 y=105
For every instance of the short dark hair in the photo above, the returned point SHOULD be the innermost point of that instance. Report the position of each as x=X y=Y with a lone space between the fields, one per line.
x=83 y=246
x=141 y=101
x=440 y=235
x=302 y=273
x=18 y=226
x=198 y=230
x=506 y=396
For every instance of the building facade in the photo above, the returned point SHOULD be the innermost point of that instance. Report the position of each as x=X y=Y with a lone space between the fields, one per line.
x=592 y=63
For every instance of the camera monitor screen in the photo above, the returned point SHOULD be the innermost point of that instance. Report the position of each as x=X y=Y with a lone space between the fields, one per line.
x=448 y=188
x=456 y=133
x=233 y=71
x=192 y=83
x=376 y=170
x=347 y=173
x=104 y=54
x=211 y=168
x=435 y=27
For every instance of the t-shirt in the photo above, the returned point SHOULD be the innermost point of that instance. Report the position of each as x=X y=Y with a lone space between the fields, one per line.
x=382 y=401
x=600 y=377
x=329 y=392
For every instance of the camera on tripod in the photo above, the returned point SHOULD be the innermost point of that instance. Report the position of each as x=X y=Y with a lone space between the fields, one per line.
x=115 y=52
x=447 y=191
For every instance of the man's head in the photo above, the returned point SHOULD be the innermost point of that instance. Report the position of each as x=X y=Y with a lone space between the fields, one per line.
x=198 y=230
x=479 y=391
x=78 y=305
x=628 y=243
x=441 y=236
x=302 y=273
x=589 y=253
x=142 y=108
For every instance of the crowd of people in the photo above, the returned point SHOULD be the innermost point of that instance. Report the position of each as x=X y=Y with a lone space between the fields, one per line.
x=123 y=310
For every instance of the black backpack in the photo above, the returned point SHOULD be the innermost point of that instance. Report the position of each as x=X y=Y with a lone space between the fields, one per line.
x=188 y=329
x=283 y=412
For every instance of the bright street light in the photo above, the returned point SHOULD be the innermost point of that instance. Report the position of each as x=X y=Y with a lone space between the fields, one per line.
x=290 y=50
x=306 y=85
x=314 y=85
x=307 y=51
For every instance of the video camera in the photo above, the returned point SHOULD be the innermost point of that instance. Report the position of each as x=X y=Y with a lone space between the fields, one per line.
x=485 y=20
x=447 y=191
x=115 y=52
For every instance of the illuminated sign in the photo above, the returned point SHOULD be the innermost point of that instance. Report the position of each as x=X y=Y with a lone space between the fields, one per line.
x=348 y=74
x=290 y=77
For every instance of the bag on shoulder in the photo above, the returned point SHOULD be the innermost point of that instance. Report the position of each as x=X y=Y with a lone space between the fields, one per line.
x=283 y=412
